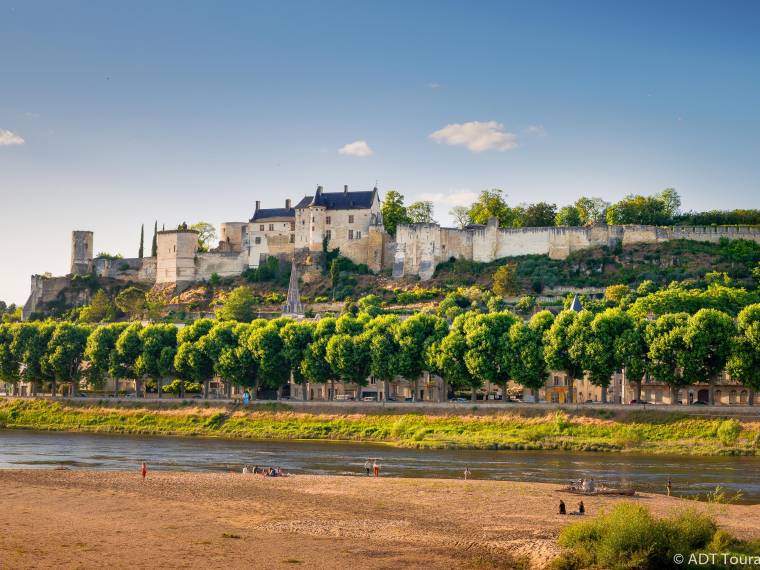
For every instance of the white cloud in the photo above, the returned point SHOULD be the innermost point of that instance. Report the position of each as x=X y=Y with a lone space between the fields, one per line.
x=535 y=130
x=459 y=198
x=356 y=148
x=476 y=136
x=434 y=85
x=8 y=138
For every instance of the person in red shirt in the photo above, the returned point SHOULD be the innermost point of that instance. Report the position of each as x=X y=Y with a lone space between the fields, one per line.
x=144 y=470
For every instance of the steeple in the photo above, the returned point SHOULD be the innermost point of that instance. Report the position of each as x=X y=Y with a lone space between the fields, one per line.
x=293 y=306
x=576 y=304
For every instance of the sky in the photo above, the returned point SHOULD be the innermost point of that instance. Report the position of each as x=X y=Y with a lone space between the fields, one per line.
x=117 y=114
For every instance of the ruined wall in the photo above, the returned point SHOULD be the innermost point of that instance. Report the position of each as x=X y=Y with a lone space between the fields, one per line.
x=81 y=252
x=228 y=264
x=131 y=269
x=175 y=262
x=44 y=290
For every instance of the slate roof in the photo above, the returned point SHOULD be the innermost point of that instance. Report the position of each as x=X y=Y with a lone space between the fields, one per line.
x=576 y=304
x=287 y=214
x=351 y=200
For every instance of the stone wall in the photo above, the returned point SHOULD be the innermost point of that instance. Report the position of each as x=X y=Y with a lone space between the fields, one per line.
x=131 y=269
x=421 y=247
x=229 y=264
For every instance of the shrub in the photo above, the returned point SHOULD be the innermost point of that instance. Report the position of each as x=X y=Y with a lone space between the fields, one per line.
x=729 y=431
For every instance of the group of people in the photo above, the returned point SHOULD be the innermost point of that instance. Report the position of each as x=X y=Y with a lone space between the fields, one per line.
x=563 y=511
x=265 y=471
x=372 y=467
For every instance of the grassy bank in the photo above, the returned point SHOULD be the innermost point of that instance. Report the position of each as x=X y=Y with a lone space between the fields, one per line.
x=645 y=432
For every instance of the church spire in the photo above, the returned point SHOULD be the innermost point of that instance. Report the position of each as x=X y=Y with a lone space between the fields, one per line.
x=293 y=306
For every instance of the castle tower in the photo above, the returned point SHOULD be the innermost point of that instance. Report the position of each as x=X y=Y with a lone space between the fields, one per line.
x=176 y=251
x=293 y=306
x=81 y=252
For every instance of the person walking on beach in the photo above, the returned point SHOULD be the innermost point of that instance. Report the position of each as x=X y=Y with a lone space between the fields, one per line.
x=562 y=510
x=467 y=472
x=581 y=508
x=144 y=470
x=368 y=467
x=670 y=487
x=376 y=468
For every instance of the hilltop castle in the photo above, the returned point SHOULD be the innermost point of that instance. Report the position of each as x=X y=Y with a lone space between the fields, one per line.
x=349 y=220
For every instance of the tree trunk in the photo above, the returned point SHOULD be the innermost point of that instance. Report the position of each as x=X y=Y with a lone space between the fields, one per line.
x=115 y=387
x=255 y=395
x=444 y=390
x=604 y=394
x=74 y=387
x=674 y=396
x=159 y=385
x=228 y=387
x=504 y=396
x=182 y=389
x=53 y=387
x=205 y=389
x=386 y=390
x=571 y=389
x=279 y=393
x=474 y=394
x=637 y=391
x=710 y=394
x=138 y=387
x=33 y=385
x=414 y=390
x=305 y=391
x=750 y=397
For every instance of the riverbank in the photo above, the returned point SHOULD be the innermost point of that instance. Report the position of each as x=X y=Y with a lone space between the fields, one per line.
x=656 y=432
x=91 y=519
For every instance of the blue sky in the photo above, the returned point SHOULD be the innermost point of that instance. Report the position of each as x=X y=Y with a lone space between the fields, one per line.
x=116 y=114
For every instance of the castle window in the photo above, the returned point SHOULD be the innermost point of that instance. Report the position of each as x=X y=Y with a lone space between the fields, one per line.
x=271 y=227
x=351 y=219
x=350 y=234
x=258 y=240
x=556 y=380
x=261 y=228
x=358 y=235
x=328 y=234
x=327 y=220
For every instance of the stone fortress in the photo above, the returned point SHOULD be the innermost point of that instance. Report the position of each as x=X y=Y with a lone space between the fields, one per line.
x=348 y=220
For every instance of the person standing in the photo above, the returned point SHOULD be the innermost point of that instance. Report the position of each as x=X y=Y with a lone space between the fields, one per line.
x=467 y=472
x=562 y=510
x=376 y=468
x=670 y=487
x=581 y=508
x=144 y=470
x=368 y=467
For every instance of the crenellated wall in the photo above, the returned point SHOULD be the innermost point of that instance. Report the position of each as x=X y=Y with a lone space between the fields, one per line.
x=421 y=247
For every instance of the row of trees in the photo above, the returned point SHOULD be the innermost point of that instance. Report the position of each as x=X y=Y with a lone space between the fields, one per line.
x=472 y=350
x=660 y=209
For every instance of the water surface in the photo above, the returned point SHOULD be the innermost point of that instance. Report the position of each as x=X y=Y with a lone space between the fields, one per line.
x=690 y=475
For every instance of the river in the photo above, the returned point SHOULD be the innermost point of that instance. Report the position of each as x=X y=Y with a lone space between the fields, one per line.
x=690 y=475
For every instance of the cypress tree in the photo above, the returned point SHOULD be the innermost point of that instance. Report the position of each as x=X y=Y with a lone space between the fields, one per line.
x=154 y=245
x=142 y=241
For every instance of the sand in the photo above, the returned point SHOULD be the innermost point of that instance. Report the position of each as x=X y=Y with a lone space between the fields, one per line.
x=91 y=519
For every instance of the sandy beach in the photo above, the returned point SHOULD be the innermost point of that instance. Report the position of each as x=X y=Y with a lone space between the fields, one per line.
x=89 y=519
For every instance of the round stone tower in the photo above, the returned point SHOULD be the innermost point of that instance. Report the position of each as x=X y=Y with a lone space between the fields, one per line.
x=81 y=252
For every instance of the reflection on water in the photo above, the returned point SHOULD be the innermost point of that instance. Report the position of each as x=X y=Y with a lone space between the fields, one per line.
x=690 y=475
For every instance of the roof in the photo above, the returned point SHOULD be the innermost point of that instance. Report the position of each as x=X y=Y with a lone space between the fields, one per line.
x=576 y=304
x=345 y=200
x=273 y=213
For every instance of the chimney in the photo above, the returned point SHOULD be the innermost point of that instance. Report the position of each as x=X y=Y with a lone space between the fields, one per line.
x=258 y=204
x=287 y=203
x=345 y=188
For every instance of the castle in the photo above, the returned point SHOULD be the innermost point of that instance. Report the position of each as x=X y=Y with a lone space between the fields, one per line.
x=349 y=220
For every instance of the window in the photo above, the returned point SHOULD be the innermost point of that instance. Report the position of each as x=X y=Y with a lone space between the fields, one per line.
x=358 y=235
x=258 y=240
x=328 y=234
x=292 y=238
x=271 y=227
x=327 y=220
x=261 y=228
x=351 y=219
x=556 y=380
x=350 y=234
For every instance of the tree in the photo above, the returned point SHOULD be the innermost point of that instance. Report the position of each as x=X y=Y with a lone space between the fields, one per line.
x=159 y=347
x=10 y=365
x=632 y=354
x=539 y=215
x=233 y=361
x=193 y=362
x=267 y=348
x=420 y=212
x=568 y=216
x=559 y=339
x=315 y=367
x=100 y=309
x=591 y=210
x=414 y=336
x=667 y=350
x=128 y=349
x=100 y=352
x=206 y=235
x=393 y=211
x=525 y=357
x=708 y=340
x=30 y=343
x=132 y=301
x=383 y=350
x=154 y=244
x=240 y=305
x=616 y=294
x=647 y=210
x=349 y=358
x=505 y=280
x=461 y=216
x=445 y=356
x=490 y=203
x=296 y=338
x=744 y=362
x=141 y=249
x=65 y=353
x=487 y=338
